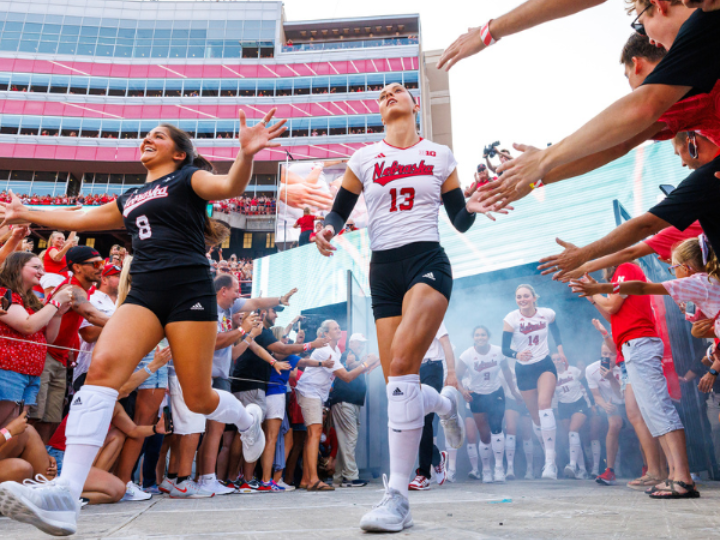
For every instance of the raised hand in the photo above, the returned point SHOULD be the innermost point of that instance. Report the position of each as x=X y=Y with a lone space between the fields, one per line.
x=467 y=44
x=260 y=136
x=571 y=258
x=285 y=299
x=476 y=205
x=10 y=212
x=586 y=286
x=322 y=241
x=282 y=366
x=599 y=327
x=526 y=169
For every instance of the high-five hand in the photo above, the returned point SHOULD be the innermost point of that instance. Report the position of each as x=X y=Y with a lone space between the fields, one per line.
x=260 y=136
x=467 y=44
x=476 y=205
x=322 y=241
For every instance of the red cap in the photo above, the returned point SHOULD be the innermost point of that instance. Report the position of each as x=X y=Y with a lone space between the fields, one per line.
x=111 y=270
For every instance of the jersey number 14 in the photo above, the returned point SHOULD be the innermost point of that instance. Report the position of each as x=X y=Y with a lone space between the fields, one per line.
x=406 y=204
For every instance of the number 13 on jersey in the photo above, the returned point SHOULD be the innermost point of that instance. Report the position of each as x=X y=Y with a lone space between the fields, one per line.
x=406 y=203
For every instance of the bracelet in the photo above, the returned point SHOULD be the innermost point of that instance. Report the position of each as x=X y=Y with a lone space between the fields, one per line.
x=485 y=35
x=319 y=364
x=149 y=371
x=537 y=184
x=55 y=304
x=616 y=288
x=307 y=347
x=272 y=363
x=242 y=332
x=604 y=333
x=6 y=433
x=155 y=429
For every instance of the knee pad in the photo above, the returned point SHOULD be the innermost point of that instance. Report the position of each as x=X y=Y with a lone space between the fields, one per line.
x=509 y=441
x=406 y=409
x=495 y=421
x=547 y=419
x=574 y=437
x=90 y=414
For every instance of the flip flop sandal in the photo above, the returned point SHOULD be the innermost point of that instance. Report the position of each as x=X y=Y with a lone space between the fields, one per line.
x=655 y=489
x=644 y=482
x=317 y=487
x=690 y=491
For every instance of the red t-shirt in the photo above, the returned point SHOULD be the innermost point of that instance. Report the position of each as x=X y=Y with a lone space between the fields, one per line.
x=635 y=319
x=52 y=267
x=663 y=242
x=69 y=326
x=700 y=113
x=58 y=438
x=25 y=358
x=307 y=223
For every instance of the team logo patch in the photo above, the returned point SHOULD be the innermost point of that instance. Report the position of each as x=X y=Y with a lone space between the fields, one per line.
x=197 y=307
x=430 y=153
x=397 y=392
x=141 y=198
x=384 y=175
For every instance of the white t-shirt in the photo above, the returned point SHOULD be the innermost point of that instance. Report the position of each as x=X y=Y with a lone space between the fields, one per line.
x=569 y=389
x=484 y=369
x=402 y=189
x=595 y=380
x=531 y=332
x=435 y=352
x=316 y=381
x=103 y=303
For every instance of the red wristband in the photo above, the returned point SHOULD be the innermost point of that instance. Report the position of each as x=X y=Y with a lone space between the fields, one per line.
x=55 y=303
x=616 y=288
x=485 y=35
x=307 y=347
x=242 y=332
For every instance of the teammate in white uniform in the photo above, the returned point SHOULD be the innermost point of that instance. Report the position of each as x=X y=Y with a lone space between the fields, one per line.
x=525 y=338
x=404 y=179
x=483 y=363
x=573 y=409
x=517 y=419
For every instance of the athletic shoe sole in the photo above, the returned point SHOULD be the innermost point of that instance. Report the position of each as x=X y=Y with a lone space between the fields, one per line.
x=387 y=527
x=460 y=422
x=412 y=488
x=605 y=482
x=569 y=472
x=17 y=507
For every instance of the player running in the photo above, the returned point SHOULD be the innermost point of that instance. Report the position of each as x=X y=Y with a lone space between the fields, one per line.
x=404 y=179
x=525 y=338
x=482 y=364
x=172 y=296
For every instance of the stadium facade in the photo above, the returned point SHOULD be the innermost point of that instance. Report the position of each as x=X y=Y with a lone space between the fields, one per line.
x=82 y=81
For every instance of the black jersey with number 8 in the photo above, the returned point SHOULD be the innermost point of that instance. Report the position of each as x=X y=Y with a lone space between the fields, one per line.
x=166 y=220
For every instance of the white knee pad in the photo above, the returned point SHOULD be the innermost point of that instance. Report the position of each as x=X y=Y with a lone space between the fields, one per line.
x=90 y=414
x=547 y=419
x=406 y=409
x=472 y=450
x=228 y=409
x=574 y=438
x=509 y=441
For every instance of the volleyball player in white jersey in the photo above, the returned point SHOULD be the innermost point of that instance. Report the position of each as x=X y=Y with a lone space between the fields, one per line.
x=483 y=363
x=525 y=338
x=404 y=179
x=573 y=409
x=517 y=423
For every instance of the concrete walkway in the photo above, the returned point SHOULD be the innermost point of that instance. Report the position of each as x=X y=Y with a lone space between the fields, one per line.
x=467 y=510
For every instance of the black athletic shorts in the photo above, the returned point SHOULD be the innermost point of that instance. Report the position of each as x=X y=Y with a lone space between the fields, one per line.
x=517 y=406
x=394 y=272
x=566 y=410
x=528 y=374
x=491 y=404
x=184 y=293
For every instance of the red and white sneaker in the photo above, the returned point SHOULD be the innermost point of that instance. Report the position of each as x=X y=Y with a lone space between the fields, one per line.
x=420 y=483
x=440 y=473
x=607 y=478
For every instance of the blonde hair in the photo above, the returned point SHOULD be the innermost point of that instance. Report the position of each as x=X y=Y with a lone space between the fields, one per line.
x=278 y=332
x=689 y=252
x=125 y=281
x=529 y=288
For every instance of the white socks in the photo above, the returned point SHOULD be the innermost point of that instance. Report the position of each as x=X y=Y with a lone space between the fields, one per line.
x=90 y=415
x=595 y=446
x=529 y=451
x=230 y=411
x=498 y=447
x=575 y=448
x=485 y=454
x=406 y=417
x=548 y=429
x=452 y=458
x=510 y=451
x=433 y=401
x=538 y=433
x=473 y=455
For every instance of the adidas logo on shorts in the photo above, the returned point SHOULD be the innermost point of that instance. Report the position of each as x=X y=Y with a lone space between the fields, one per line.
x=397 y=392
x=77 y=401
x=429 y=275
x=198 y=307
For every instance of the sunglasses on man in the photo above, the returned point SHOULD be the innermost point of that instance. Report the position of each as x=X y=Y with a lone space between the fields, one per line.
x=637 y=25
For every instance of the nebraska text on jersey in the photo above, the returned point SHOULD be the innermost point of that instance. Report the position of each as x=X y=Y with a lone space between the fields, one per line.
x=382 y=175
x=526 y=328
x=141 y=198
x=480 y=366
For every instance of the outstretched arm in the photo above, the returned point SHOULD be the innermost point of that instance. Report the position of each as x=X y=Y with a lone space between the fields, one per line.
x=98 y=218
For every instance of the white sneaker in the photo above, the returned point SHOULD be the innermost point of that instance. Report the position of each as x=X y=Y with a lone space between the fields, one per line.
x=48 y=505
x=499 y=475
x=134 y=493
x=450 y=476
x=286 y=487
x=487 y=476
x=419 y=483
x=529 y=475
x=253 y=438
x=581 y=474
x=549 y=471
x=452 y=424
x=569 y=471
x=440 y=474
x=217 y=488
x=190 y=490
x=391 y=514
x=475 y=475
x=510 y=474
x=166 y=485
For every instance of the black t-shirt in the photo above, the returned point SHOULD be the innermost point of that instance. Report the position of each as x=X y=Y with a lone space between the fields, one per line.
x=251 y=366
x=694 y=58
x=166 y=220
x=696 y=198
x=352 y=392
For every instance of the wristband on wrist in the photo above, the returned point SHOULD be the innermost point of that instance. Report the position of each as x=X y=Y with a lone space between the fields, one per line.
x=537 y=184
x=604 y=333
x=485 y=35
x=242 y=332
x=55 y=304
x=616 y=288
x=272 y=362
x=307 y=347
x=155 y=429
x=149 y=371
x=6 y=433
x=713 y=372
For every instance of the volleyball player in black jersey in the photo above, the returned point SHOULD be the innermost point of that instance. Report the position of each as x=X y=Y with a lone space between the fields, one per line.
x=172 y=296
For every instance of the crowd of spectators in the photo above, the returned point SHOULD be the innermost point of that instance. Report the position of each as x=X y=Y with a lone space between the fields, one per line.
x=62 y=200
x=252 y=205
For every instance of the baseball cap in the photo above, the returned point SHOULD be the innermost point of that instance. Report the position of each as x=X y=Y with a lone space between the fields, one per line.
x=357 y=336
x=481 y=167
x=80 y=254
x=111 y=270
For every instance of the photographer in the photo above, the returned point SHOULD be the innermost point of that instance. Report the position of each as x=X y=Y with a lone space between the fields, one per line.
x=491 y=151
x=481 y=177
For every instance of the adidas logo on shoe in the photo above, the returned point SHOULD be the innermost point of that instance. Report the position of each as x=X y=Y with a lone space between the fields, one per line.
x=198 y=307
x=397 y=392
x=429 y=275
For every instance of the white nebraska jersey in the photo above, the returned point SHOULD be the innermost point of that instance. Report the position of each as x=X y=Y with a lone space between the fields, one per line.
x=531 y=332
x=483 y=370
x=436 y=352
x=402 y=190
x=595 y=380
x=569 y=389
